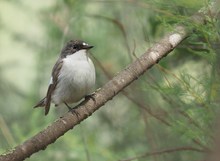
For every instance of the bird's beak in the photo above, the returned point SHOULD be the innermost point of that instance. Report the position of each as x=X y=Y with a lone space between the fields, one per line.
x=88 y=47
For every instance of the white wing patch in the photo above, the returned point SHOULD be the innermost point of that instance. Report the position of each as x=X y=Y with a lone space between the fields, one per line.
x=51 y=81
x=85 y=44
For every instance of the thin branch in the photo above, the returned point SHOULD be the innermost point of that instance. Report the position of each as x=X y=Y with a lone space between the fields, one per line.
x=121 y=28
x=6 y=132
x=172 y=150
x=147 y=109
x=58 y=128
x=85 y=144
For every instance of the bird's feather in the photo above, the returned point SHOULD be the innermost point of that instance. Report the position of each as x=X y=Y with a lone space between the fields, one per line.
x=45 y=102
x=55 y=73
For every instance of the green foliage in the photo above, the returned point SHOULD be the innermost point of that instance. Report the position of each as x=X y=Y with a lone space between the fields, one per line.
x=175 y=104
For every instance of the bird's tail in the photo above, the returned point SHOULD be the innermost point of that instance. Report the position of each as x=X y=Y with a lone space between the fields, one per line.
x=41 y=103
x=44 y=103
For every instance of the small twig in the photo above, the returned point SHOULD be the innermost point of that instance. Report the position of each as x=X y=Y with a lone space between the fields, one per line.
x=6 y=132
x=88 y=158
x=172 y=150
x=121 y=28
x=147 y=109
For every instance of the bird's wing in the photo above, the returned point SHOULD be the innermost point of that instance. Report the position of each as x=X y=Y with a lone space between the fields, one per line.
x=53 y=83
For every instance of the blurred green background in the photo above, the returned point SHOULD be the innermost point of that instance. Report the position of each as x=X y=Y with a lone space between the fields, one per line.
x=173 y=105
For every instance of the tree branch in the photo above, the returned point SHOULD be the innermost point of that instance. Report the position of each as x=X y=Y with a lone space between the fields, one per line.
x=58 y=128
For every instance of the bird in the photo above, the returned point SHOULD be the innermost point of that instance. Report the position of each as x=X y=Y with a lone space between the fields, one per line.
x=73 y=76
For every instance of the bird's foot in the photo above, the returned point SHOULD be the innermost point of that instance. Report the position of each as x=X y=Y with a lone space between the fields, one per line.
x=87 y=97
x=72 y=109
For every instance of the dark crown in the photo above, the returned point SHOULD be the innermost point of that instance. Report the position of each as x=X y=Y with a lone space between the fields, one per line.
x=73 y=46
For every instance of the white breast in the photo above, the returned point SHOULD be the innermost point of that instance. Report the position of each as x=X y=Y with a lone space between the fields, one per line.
x=76 y=79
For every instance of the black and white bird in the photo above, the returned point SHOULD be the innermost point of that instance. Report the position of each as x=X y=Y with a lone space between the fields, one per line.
x=73 y=76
